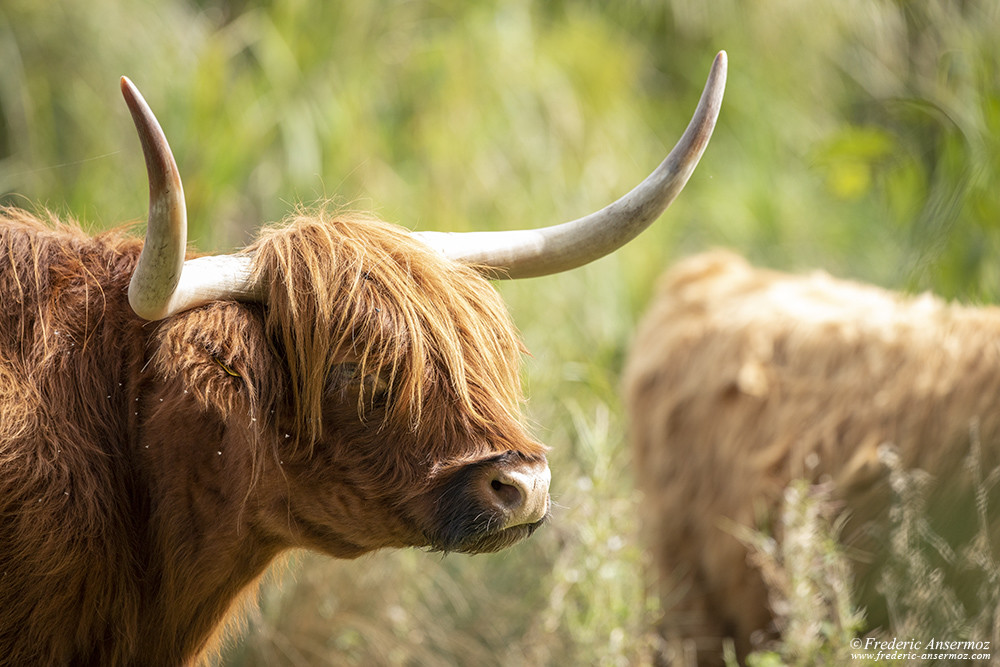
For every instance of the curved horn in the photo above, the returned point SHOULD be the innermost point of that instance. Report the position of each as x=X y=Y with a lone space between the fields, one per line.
x=163 y=283
x=539 y=252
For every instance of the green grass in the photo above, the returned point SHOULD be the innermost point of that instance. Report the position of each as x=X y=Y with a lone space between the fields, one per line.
x=817 y=604
x=810 y=581
x=859 y=137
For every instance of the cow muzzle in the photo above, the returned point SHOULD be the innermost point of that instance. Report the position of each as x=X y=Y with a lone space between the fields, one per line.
x=489 y=505
x=520 y=493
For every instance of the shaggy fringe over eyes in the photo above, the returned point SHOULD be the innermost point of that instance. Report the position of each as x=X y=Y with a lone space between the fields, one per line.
x=345 y=288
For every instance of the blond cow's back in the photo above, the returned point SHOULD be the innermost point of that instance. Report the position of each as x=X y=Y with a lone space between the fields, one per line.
x=741 y=380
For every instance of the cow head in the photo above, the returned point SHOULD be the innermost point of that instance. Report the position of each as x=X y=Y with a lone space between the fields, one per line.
x=372 y=372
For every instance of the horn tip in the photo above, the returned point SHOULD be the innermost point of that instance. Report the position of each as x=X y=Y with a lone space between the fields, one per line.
x=721 y=62
x=133 y=98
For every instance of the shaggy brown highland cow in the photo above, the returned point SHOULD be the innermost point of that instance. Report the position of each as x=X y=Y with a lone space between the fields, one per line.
x=341 y=385
x=741 y=380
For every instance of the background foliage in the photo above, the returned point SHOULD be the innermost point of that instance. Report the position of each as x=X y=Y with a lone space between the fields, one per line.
x=858 y=136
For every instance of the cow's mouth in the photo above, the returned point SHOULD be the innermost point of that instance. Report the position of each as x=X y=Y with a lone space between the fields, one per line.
x=482 y=542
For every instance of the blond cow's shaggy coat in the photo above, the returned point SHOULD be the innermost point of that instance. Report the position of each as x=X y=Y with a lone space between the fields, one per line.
x=741 y=380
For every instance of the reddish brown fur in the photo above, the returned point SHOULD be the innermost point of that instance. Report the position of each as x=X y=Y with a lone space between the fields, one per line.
x=149 y=472
x=741 y=380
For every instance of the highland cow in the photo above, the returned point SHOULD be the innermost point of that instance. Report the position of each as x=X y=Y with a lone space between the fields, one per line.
x=170 y=425
x=741 y=380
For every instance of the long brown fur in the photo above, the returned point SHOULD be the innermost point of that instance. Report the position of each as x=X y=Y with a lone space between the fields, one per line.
x=150 y=472
x=337 y=275
x=742 y=379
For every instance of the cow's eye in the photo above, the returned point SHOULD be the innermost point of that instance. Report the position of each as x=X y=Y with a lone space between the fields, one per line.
x=344 y=373
x=348 y=378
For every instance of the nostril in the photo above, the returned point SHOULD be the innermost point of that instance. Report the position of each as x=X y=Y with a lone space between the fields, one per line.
x=509 y=495
x=520 y=494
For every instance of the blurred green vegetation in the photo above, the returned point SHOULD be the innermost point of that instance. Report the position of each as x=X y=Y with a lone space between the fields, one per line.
x=859 y=136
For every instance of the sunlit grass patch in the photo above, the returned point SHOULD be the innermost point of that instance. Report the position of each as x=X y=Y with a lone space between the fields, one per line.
x=809 y=581
x=818 y=608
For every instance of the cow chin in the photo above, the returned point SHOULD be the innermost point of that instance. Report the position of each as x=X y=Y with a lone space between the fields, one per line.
x=489 y=542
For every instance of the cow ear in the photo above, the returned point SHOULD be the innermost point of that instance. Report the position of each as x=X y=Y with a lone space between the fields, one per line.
x=220 y=354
